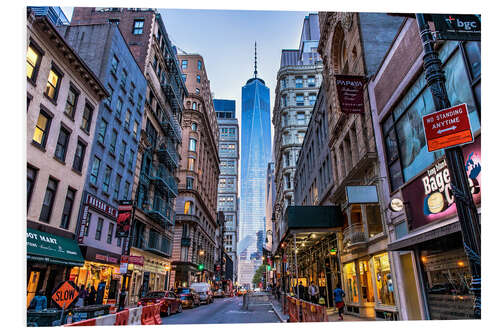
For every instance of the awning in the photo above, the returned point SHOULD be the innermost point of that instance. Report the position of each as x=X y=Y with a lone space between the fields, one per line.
x=52 y=249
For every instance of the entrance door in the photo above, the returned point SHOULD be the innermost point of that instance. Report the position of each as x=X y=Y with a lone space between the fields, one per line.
x=145 y=284
x=410 y=288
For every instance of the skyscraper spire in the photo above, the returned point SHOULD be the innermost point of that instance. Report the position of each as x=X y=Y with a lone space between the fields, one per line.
x=255 y=66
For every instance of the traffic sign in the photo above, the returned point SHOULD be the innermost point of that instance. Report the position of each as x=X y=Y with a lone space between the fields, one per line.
x=65 y=294
x=447 y=128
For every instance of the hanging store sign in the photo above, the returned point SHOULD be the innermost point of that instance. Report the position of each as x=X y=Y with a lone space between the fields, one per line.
x=136 y=260
x=350 y=91
x=430 y=197
x=361 y=194
x=396 y=205
x=458 y=27
x=101 y=206
x=447 y=128
x=124 y=218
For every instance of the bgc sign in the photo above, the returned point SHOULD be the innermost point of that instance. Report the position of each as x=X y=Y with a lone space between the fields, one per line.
x=458 y=27
x=430 y=196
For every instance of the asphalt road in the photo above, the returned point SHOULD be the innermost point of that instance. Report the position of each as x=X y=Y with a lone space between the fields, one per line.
x=223 y=311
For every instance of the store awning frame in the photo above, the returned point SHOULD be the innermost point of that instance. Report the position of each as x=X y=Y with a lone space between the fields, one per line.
x=52 y=249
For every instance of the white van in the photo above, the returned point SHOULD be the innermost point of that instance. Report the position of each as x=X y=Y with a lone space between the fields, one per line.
x=203 y=289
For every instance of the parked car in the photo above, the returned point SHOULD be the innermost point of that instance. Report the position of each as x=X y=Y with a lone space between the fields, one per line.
x=170 y=303
x=203 y=289
x=219 y=293
x=189 y=297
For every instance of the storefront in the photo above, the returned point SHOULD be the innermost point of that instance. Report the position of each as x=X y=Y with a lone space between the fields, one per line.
x=152 y=276
x=50 y=259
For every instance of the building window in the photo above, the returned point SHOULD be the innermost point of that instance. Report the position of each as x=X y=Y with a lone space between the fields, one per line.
x=192 y=144
x=384 y=284
x=87 y=118
x=191 y=161
x=71 y=102
x=62 y=144
x=283 y=83
x=136 y=128
x=53 y=83
x=94 y=173
x=30 y=182
x=311 y=82
x=194 y=127
x=184 y=64
x=33 y=60
x=119 y=106
x=197 y=91
x=184 y=77
x=301 y=119
x=312 y=99
x=130 y=160
x=109 y=99
x=123 y=80
x=189 y=183
x=198 y=78
x=112 y=143
x=188 y=207
x=299 y=100
x=87 y=224
x=131 y=91
x=68 y=207
x=42 y=129
x=98 y=229
x=79 y=156
x=299 y=82
x=126 y=188
x=101 y=134
x=106 y=180
x=138 y=27
x=199 y=65
x=114 y=65
x=194 y=105
x=48 y=200
x=122 y=152
x=127 y=119
x=116 y=192
x=111 y=228
x=283 y=101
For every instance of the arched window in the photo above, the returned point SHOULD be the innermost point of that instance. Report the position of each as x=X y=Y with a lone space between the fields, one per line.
x=194 y=106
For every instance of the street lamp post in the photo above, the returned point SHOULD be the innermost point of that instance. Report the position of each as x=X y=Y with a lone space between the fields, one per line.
x=466 y=210
x=126 y=251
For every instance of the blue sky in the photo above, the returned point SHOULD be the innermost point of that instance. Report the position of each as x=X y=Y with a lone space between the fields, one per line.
x=225 y=39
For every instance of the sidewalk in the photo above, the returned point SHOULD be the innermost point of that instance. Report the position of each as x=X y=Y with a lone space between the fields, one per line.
x=278 y=309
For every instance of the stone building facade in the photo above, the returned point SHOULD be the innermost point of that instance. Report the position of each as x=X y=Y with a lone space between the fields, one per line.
x=355 y=44
x=298 y=82
x=155 y=183
x=63 y=95
x=227 y=200
x=196 y=205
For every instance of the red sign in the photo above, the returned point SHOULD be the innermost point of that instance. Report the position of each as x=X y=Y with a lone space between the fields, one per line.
x=217 y=268
x=102 y=206
x=447 y=128
x=136 y=260
x=124 y=218
x=65 y=294
x=350 y=91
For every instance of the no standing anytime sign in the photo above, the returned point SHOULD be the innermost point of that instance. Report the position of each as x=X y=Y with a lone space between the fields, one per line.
x=447 y=128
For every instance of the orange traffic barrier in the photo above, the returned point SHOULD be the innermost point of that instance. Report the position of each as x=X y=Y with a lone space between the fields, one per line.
x=157 y=314
x=88 y=322
x=148 y=315
x=122 y=317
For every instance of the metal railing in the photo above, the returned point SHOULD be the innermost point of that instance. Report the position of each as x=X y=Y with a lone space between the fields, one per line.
x=354 y=235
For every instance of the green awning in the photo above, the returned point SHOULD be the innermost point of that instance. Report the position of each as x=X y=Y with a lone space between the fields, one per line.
x=45 y=247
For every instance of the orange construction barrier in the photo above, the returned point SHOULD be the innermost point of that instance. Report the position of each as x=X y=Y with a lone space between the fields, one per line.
x=88 y=322
x=293 y=309
x=157 y=314
x=122 y=317
x=148 y=315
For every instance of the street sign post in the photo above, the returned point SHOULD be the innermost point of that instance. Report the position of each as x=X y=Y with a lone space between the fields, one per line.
x=447 y=128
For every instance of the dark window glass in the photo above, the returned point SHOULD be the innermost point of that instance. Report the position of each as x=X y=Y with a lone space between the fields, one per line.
x=87 y=224
x=114 y=64
x=42 y=129
x=184 y=64
x=184 y=76
x=98 y=229
x=198 y=78
x=118 y=181
x=30 y=182
x=101 y=134
x=122 y=152
x=111 y=227
x=48 y=200
x=189 y=183
x=106 y=180
x=123 y=80
x=68 y=207
x=138 y=27
x=127 y=119
x=119 y=106
x=110 y=97
x=130 y=159
x=112 y=144
x=126 y=188
x=391 y=146
x=79 y=156
x=473 y=50
x=87 y=118
x=71 y=102
x=62 y=144
x=94 y=173
x=199 y=65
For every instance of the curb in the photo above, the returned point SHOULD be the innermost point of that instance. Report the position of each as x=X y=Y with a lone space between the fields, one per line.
x=278 y=314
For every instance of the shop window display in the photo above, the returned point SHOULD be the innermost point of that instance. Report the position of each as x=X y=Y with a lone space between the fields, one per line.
x=365 y=281
x=106 y=277
x=374 y=220
x=351 y=283
x=384 y=281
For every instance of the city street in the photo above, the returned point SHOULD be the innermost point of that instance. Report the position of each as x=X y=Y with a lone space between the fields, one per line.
x=223 y=311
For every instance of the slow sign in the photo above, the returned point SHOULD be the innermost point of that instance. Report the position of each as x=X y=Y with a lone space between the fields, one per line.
x=447 y=128
x=65 y=294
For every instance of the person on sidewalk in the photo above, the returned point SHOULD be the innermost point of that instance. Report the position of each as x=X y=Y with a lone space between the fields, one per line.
x=82 y=295
x=338 y=297
x=313 y=292
x=301 y=290
x=39 y=302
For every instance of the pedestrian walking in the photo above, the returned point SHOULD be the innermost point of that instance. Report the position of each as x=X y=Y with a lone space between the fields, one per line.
x=338 y=297
x=39 y=302
x=301 y=290
x=313 y=292
x=92 y=295
x=82 y=295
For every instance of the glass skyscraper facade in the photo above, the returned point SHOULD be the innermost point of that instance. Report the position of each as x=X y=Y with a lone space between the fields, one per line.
x=255 y=155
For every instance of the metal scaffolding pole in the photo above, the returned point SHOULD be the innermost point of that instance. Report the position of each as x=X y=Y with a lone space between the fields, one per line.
x=296 y=268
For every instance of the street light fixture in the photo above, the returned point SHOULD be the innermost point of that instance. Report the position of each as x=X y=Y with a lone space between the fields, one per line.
x=202 y=252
